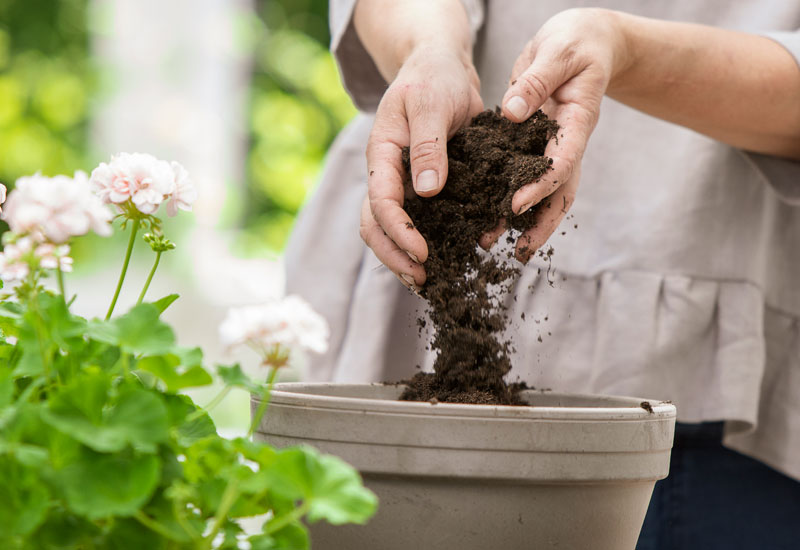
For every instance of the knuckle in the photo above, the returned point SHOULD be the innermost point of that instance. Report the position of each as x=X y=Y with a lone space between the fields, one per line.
x=378 y=206
x=365 y=227
x=565 y=166
x=533 y=84
x=425 y=151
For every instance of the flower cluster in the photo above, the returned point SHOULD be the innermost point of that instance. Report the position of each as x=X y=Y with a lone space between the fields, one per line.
x=18 y=256
x=275 y=329
x=55 y=209
x=145 y=182
x=44 y=213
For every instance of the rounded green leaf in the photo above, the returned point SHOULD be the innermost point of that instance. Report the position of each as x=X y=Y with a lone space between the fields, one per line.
x=99 y=486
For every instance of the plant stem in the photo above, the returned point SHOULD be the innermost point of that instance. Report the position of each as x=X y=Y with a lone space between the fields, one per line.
x=225 y=504
x=60 y=277
x=210 y=405
x=265 y=398
x=124 y=268
x=149 y=278
x=279 y=523
x=152 y=524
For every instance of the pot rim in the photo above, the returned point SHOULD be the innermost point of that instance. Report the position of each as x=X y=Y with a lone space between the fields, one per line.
x=621 y=408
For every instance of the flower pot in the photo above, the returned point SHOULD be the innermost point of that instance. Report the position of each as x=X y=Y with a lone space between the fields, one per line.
x=570 y=472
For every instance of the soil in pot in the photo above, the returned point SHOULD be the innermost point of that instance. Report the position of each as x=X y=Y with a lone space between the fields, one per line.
x=465 y=289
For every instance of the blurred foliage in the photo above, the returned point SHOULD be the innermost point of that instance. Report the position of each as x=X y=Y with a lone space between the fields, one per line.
x=297 y=106
x=45 y=82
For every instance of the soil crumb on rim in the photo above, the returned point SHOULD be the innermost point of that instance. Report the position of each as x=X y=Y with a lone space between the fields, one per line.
x=488 y=162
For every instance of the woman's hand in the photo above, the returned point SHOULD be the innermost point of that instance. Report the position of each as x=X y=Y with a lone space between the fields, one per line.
x=738 y=88
x=435 y=93
x=564 y=70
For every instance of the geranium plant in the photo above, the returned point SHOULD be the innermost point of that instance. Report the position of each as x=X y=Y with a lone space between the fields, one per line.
x=98 y=447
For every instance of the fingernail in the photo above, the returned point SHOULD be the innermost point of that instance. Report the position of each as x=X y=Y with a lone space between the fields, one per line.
x=427 y=180
x=517 y=107
x=408 y=281
x=525 y=208
x=410 y=255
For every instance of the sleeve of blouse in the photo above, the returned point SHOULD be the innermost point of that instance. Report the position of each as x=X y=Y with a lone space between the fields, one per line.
x=782 y=174
x=360 y=76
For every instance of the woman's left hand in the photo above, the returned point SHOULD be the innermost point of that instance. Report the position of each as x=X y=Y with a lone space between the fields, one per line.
x=565 y=71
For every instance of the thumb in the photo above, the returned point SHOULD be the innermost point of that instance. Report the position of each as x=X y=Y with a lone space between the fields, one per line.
x=534 y=86
x=428 y=151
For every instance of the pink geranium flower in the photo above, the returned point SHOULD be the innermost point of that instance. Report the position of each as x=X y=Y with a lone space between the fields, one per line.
x=145 y=181
x=55 y=209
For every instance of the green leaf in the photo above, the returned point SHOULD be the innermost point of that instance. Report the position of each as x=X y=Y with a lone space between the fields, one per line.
x=139 y=331
x=23 y=496
x=134 y=416
x=235 y=376
x=165 y=302
x=8 y=326
x=179 y=407
x=65 y=329
x=129 y=534
x=161 y=509
x=331 y=487
x=31 y=456
x=63 y=530
x=11 y=309
x=177 y=371
x=292 y=537
x=100 y=486
x=6 y=388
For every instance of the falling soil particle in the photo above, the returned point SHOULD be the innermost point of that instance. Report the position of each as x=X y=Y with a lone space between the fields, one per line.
x=488 y=162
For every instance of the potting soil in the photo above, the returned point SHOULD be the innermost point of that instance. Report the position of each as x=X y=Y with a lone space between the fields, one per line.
x=488 y=162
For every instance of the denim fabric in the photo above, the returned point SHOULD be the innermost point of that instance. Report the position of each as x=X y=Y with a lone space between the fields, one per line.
x=716 y=499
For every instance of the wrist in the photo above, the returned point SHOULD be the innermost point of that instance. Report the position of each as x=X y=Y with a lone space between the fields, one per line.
x=434 y=52
x=627 y=49
x=393 y=32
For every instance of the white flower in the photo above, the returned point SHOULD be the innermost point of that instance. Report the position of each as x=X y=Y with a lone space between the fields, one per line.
x=138 y=177
x=184 y=194
x=13 y=262
x=3 y=191
x=289 y=323
x=54 y=257
x=55 y=209
x=17 y=256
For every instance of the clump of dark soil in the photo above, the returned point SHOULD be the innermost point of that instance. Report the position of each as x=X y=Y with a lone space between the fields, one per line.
x=488 y=161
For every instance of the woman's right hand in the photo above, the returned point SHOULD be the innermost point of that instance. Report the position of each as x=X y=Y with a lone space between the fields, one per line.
x=434 y=94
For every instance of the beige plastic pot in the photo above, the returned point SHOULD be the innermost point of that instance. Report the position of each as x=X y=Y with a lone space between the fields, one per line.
x=572 y=472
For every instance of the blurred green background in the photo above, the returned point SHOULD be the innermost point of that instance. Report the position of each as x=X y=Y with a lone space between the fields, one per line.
x=46 y=81
x=296 y=104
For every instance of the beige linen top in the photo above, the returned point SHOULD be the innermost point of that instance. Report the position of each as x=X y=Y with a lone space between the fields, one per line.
x=681 y=281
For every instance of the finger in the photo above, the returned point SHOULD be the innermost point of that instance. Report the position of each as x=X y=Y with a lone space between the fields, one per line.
x=531 y=88
x=408 y=271
x=487 y=240
x=428 y=129
x=523 y=62
x=548 y=218
x=566 y=150
x=386 y=175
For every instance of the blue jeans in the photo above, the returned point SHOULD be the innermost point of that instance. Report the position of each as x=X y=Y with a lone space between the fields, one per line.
x=716 y=499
